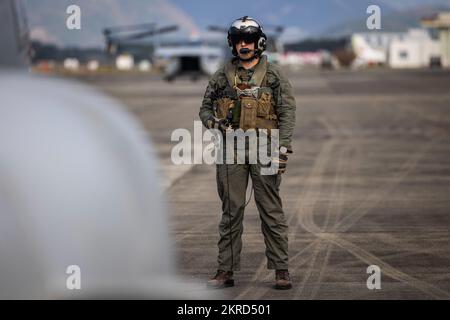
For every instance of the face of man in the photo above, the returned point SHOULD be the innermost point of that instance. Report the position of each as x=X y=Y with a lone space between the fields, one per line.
x=242 y=44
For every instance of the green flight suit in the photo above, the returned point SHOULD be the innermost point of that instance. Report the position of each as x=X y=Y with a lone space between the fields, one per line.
x=232 y=179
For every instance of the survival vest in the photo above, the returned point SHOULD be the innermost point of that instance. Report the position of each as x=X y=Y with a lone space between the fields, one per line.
x=253 y=105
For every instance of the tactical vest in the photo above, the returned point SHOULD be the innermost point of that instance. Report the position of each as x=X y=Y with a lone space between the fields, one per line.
x=252 y=105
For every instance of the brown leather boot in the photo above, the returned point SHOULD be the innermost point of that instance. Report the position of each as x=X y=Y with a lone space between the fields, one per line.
x=282 y=280
x=222 y=279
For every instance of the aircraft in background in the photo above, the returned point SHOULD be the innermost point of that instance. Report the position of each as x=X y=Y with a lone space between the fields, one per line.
x=124 y=38
x=192 y=58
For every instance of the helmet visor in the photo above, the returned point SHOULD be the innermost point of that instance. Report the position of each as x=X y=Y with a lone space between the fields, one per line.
x=248 y=35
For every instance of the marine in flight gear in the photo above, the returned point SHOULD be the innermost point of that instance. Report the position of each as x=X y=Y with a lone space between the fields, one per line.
x=247 y=93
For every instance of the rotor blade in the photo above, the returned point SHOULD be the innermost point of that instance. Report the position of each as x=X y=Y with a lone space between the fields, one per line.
x=275 y=28
x=108 y=31
x=217 y=29
x=150 y=33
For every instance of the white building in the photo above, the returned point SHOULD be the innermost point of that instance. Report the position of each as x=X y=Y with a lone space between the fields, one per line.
x=71 y=64
x=380 y=40
x=124 y=62
x=412 y=49
x=441 y=23
x=372 y=48
x=416 y=49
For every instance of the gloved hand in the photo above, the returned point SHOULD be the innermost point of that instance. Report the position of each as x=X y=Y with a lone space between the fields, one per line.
x=216 y=123
x=282 y=159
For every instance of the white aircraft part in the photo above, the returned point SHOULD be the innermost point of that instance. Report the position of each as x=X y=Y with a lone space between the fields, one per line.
x=78 y=186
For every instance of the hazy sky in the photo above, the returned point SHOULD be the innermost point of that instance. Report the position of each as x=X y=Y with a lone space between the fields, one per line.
x=300 y=18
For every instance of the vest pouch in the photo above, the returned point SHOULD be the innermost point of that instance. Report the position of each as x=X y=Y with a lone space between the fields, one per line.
x=264 y=104
x=249 y=109
x=223 y=107
x=268 y=124
x=266 y=116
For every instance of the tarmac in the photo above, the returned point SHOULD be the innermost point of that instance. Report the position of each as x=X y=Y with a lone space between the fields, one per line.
x=368 y=184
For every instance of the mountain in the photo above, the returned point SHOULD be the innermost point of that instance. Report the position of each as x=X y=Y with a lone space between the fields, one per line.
x=405 y=4
x=303 y=18
x=47 y=19
x=311 y=16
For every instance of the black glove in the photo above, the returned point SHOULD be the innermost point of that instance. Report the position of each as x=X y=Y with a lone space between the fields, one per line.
x=282 y=159
x=216 y=123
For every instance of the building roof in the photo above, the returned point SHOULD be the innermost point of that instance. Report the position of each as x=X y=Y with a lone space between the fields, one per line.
x=440 y=20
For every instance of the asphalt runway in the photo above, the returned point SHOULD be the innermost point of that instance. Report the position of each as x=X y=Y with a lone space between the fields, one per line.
x=368 y=184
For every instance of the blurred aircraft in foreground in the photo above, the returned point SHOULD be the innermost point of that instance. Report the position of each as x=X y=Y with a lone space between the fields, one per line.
x=78 y=188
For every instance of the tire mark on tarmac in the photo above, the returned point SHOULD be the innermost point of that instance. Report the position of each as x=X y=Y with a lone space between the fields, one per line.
x=307 y=211
x=309 y=193
x=375 y=198
x=342 y=169
x=308 y=214
x=387 y=269
x=319 y=165
x=364 y=255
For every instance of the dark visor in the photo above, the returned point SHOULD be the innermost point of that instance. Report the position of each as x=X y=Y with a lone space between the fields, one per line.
x=248 y=35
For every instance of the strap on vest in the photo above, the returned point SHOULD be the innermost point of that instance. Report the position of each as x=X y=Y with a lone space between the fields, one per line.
x=258 y=76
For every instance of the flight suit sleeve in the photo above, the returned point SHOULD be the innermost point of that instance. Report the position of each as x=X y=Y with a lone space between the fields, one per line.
x=285 y=107
x=209 y=99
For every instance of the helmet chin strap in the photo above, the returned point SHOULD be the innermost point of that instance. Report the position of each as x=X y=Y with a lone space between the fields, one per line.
x=247 y=59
